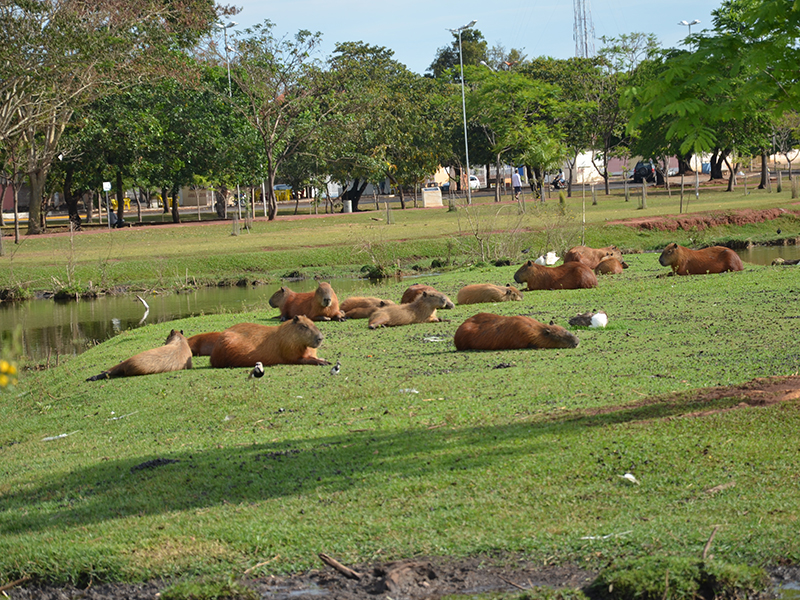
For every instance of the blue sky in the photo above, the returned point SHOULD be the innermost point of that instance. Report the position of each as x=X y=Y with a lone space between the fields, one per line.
x=415 y=29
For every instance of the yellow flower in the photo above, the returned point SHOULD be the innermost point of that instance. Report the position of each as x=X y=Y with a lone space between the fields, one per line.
x=12 y=369
x=4 y=366
x=3 y=380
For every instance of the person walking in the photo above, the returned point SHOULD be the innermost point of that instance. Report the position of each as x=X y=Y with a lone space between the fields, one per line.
x=516 y=183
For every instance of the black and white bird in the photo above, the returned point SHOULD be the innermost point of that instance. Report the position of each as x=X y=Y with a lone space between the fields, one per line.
x=590 y=319
x=258 y=371
x=336 y=368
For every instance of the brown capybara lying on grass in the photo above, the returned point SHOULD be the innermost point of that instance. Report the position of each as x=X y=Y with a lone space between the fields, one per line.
x=610 y=266
x=203 y=343
x=361 y=307
x=591 y=257
x=421 y=310
x=174 y=355
x=487 y=292
x=415 y=290
x=291 y=343
x=486 y=331
x=569 y=276
x=319 y=305
x=685 y=261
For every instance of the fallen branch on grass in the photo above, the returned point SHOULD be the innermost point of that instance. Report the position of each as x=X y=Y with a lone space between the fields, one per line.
x=346 y=571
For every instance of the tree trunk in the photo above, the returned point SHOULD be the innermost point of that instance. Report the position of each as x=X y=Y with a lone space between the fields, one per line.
x=37 y=179
x=164 y=200
x=764 y=170
x=176 y=215
x=684 y=164
x=71 y=199
x=120 y=200
x=497 y=180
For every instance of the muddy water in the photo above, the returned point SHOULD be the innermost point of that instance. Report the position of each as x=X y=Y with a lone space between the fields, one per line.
x=51 y=328
x=764 y=255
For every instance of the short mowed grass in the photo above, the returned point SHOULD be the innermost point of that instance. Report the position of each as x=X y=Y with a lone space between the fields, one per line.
x=417 y=449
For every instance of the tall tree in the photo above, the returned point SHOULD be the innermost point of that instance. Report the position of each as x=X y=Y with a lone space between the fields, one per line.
x=473 y=51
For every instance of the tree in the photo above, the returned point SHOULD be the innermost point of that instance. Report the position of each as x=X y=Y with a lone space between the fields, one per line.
x=76 y=51
x=283 y=93
x=447 y=64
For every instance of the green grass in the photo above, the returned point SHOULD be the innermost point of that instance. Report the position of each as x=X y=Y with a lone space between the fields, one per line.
x=416 y=449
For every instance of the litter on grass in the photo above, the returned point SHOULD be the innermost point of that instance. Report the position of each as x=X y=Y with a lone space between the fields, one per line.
x=409 y=391
x=58 y=437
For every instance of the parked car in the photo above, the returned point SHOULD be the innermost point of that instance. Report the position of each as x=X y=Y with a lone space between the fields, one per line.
x=474 y=184
x=644 y=171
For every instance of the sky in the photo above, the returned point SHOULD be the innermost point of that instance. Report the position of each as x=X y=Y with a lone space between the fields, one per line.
x=415 y=29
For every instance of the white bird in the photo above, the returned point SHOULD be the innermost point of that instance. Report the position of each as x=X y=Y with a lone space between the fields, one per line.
x=599 y=319
x=551 y=258
x=540 y=261
x=258 y=371
x=630 y=477
x=336 y=368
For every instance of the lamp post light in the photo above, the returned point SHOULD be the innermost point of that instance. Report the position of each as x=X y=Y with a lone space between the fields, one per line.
x=464 y=102
x=689 y=25
x=227 y=50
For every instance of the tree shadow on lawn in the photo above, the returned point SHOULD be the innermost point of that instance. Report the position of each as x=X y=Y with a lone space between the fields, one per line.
x=199 y=479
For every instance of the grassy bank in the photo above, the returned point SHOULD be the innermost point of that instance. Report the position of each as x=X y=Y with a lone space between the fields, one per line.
x=417 y=449
x=167 y=257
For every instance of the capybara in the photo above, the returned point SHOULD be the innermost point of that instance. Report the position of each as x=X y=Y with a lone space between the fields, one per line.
x=174 y=355
x=421 y=310
x=685 y=261
x=487 y=292
x=610 y=266
x=203 y=343
x=486 y=331
x=292 y=343
x=591 y=257
x=569 y=276
x=361 y=307
x=415 y=290
x=319 y=305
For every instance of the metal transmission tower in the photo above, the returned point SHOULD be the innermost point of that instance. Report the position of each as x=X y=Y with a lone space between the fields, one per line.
x=583 y=29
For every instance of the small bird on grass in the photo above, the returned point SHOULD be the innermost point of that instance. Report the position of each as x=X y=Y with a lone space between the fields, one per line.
x=257 y=372
x=336 y=368
x=630 y=477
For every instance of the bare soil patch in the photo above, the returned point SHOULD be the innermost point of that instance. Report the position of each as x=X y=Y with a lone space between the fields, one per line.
x=701 y=221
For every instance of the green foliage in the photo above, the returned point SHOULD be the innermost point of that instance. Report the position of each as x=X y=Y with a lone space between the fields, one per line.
x=663 y=577
x=209 y=589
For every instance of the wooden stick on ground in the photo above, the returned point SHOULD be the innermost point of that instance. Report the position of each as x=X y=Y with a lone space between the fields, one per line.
x=346 y=571
x=8 y=586
x=519 y=587
x=708 y=543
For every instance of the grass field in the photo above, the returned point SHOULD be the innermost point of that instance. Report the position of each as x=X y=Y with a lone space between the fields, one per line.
x=414 y=449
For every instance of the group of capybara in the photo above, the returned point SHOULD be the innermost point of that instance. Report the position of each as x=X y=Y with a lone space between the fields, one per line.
x=295 y=341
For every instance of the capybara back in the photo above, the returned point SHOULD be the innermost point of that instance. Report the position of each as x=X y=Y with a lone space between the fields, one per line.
x=486 y=331
x=487 y=292
x=174 y=355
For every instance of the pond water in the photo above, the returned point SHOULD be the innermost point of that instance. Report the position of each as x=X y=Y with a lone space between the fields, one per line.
x=53 y=328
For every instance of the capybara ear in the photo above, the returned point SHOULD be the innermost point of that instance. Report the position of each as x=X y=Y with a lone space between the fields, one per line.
x=552 y=322
x=529 y=263
x=424 y=294
x=181 y=331
x=296 y=319
x=382 y=303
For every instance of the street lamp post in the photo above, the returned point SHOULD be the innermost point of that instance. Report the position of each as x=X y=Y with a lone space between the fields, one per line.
x=689 y=25
x=463 y=102
x=227 y=49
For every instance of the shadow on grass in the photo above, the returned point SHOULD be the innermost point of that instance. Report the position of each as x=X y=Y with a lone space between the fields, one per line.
x=175 y=481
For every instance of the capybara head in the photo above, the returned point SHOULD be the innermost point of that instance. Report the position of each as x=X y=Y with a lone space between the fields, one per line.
x=559 y=337
x=324 y=294
x=669 y=255
x=306 y=331
x=438 y=299
x=614 y=252
x=278 y=298
x=521 y=275
x=512 y=293
x=174 y=335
